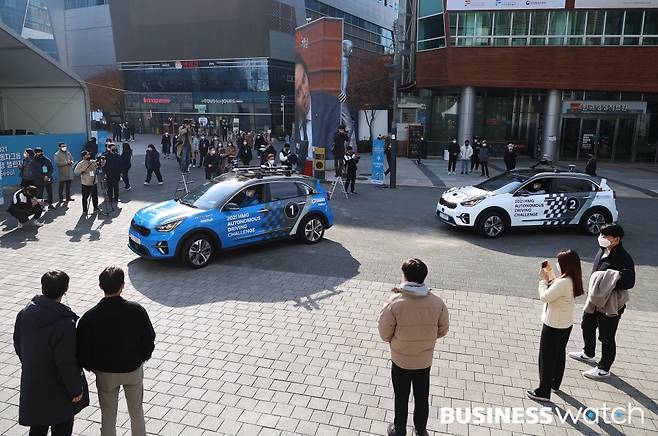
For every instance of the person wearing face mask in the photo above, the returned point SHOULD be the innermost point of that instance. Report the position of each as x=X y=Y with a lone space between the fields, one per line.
x=270 y=162
x=86 y=169
x=475 y=159
x=557 y=294
x=465 y=153
x=165 y=142
x=613 y=274
x=244 y=153
x=250 y=198
x=204 y=143
x=152 y=163
x=112 y=166
x=269 y=149
x=485 y=153
x=453 y=155
x=27 y=178
x=42 y=170
x=510 y=157
x=64 y=162
x=211 y=164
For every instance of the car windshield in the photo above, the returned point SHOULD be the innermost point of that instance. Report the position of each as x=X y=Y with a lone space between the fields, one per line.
x=213 y=193
x=506 y=182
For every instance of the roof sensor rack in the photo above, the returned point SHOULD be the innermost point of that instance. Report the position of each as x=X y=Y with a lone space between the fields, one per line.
x=260 y=172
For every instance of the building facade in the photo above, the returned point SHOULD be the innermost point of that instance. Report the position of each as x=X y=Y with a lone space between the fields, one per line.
x=565 y=78
x=32 y=20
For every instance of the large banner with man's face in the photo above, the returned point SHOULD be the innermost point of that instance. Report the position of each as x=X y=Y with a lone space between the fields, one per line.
x=319 y=47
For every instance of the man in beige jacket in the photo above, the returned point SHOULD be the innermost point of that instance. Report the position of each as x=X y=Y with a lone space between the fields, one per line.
x=411 y=321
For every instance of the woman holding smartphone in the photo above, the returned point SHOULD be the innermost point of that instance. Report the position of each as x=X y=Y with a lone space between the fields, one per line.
x=558 y=294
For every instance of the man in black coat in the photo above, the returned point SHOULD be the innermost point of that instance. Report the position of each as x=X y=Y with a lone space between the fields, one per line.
x=338 y=148
x=92 y=147
x=611 y=256
x=42 y=170
x=590 y=166
x=53 y=386
x=510 y=157
x=204 y=144
x=115 y=338
x=453 y=155
x=112 y=166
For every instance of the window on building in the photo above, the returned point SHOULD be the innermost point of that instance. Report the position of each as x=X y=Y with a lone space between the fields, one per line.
x=431 y=27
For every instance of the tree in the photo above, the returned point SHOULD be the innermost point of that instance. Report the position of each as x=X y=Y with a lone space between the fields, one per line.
x=370 y=88
x=106 y=91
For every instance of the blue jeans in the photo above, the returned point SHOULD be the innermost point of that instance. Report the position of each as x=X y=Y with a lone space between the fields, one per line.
x=465 y=164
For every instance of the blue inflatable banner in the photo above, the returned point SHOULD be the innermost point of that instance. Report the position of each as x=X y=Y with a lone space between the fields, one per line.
x=378 y=158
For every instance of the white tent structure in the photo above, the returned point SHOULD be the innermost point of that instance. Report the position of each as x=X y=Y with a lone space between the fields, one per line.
x=37 y=94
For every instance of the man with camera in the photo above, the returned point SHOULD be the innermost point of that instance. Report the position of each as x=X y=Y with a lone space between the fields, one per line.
x=112 y=166
x=340 y=139
x=86 y=169
x=25 y=204
x=184 y=145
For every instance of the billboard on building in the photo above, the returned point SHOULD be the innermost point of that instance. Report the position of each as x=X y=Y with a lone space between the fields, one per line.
x=622 y=4
x=319 y=46
x=477 y=5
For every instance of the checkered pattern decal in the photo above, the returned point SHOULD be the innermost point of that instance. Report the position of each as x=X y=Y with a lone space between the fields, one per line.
x=556 y=211
x=276 y=219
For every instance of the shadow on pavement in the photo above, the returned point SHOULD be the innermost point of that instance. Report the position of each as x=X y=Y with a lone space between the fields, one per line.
x=633 y=392
x=580 y=425
x=16 y=238
x=252 y=274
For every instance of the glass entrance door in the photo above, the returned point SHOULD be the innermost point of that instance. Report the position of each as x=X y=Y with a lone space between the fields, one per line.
x=610 y=137
x=606 y=136
x=570 y=138
x=624 y=139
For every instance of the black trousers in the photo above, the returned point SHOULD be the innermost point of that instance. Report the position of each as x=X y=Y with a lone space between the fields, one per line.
x=202 y=157
x=485 y=168
x=351 y=179
x=126 y=180
x=552 y=356
x=452 y=163
x=49 y=189
x=149 y=173
x=61 y=429
x=113 y=188
x=607 y=326
x=23 y=215
x=475 y=162
x=403 y=379
x=89 y=191
x=65 y=185
x=339 y=164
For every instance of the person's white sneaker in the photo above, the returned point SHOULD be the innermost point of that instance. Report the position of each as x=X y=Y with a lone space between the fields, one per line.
x=146 y=183
x=580 y=355
x=160 y=183
x=20 y=225
x=596 y=373
x=36 y=223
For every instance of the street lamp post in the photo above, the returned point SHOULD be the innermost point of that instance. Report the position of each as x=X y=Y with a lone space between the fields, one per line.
x=283 y=111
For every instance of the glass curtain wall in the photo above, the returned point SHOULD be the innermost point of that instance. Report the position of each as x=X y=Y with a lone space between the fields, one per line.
x=431 y=26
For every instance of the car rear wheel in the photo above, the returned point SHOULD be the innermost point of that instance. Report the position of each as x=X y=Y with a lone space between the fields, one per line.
x=492 y=224
x=197 y=251
x=593 y=220
x=312 y=230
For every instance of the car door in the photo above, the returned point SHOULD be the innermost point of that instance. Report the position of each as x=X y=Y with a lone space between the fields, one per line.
x=245 y=218
x=570 y=197
x=530 y=203
x=286 y=203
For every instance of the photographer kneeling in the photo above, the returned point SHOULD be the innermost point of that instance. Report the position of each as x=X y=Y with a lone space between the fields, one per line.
x=24 y=204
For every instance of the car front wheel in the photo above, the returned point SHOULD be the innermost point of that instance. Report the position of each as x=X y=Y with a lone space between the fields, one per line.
x=197 y=251
x=492 y=225
x=311 y=230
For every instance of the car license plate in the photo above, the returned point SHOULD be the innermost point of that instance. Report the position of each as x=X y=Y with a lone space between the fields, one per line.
x=135 y=239
x=443 y=216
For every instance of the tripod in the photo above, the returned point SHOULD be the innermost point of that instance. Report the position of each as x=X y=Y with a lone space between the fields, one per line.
x=338 y=181
x=102 y=181
x=183 y=184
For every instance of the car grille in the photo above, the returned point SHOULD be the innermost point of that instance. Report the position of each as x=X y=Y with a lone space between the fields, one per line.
x=447 y=204
x=144 y=231
x=138 y=248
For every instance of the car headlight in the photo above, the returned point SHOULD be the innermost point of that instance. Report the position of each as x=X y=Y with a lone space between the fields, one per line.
x=169 y=226
x=472 y=202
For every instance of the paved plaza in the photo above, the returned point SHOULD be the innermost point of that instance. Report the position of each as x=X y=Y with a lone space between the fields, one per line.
x=282 y=339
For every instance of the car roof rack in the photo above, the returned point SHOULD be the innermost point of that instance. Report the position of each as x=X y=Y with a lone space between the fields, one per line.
x=261 y=171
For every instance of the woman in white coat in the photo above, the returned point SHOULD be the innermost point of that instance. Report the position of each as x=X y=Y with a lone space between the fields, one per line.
x=558 y=295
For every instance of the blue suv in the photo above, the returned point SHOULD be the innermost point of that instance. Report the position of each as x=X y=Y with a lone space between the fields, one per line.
x=244 y=207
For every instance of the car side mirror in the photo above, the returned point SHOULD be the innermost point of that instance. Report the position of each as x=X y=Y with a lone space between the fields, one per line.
x=231 y=207
x=522 y=193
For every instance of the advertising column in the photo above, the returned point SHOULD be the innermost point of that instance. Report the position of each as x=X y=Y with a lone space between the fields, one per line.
x=319 y=46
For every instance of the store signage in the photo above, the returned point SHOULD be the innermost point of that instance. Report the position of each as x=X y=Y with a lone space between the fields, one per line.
x=149 y=100
x=621 y=4
x=477 y=5
x=221 y=101
x=584 y=107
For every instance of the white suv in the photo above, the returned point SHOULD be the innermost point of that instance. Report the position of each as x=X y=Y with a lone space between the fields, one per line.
x=529 y=198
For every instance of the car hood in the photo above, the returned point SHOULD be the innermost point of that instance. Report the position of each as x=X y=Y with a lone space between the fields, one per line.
x=464 y=193
x=162 y=213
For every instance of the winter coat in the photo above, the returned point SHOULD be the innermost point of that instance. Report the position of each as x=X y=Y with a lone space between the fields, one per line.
x=340 y=139
x=126 y=161
x=485 y=152
x=87 y=172
x=41 y=167
x=26 y=170
x=152 y=160
x=411 y=321
x=510 y=156
x=64 y=168
x=465 y=152
x=45 y=342
x=113 y=165
x=92 y=147
x=590 y=168
x=165 y=141
x=453 y=149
